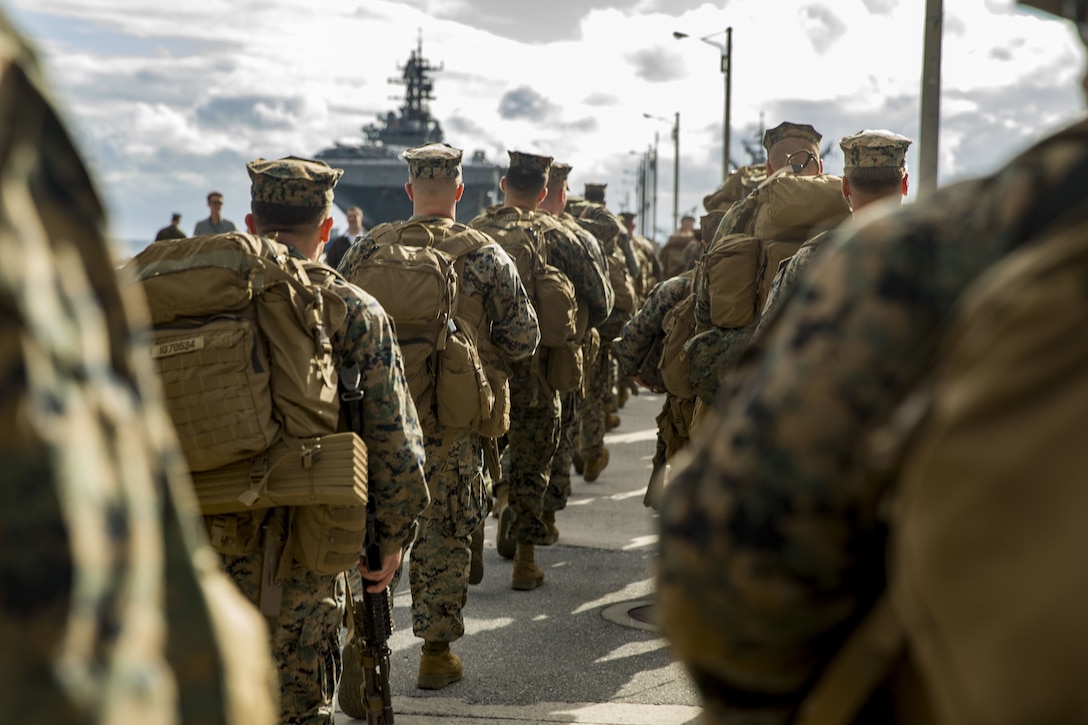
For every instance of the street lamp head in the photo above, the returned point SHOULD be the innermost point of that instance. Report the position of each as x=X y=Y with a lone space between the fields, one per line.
x=679 y=35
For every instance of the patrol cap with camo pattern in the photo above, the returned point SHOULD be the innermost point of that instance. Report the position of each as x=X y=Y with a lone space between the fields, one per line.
x=875 y=148
x=434 y=161
x=595 y=191
x=530 y=162
x=293 y=181
x=787 y=129
x=627 y=216
x=559 y=172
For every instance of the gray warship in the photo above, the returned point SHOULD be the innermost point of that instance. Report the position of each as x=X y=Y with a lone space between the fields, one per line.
x=375 y=173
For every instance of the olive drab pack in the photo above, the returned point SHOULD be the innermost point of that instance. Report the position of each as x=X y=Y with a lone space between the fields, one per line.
x=414 y=271
x=242 y=340
x=990 y=495
x=519 y=232
x=740 y=268
x=677 y=328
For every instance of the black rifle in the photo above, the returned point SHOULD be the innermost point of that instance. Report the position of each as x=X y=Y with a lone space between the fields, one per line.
x=374 y=614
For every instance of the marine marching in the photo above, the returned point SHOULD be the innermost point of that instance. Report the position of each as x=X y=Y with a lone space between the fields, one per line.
x=874 y=518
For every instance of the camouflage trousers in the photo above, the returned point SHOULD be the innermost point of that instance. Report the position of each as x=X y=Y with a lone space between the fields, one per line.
x=558 y=491
x=591 y=432
x=305 y=637
x=439 y=558
x=533 y=440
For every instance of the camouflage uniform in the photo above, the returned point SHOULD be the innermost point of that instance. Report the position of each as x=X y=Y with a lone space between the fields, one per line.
x=113 y=609
x=789 y=272
x=305 y=634
x=771 y=540
x=534 y=407
x=459 y=500
x=641 y=339
x=868 y=149
x=597 y=298
x=713 y=351
x=600 y=401
x=737 y=186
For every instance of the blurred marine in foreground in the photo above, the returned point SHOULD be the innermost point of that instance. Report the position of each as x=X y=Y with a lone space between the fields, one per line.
x=884 y=523
x=112 y=606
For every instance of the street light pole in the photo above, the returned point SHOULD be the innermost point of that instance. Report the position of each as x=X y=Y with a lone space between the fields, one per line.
x=727 y=76
x=676 y=174
x=652 y=167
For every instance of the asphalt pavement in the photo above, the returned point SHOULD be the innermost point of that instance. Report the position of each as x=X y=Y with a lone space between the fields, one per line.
x=583 y=647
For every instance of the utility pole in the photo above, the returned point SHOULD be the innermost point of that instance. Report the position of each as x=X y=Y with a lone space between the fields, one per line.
x=727 y=76
x=676 y=174
x=930 y=122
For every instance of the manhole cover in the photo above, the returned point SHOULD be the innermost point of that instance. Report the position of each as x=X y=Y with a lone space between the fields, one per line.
x=638 y=614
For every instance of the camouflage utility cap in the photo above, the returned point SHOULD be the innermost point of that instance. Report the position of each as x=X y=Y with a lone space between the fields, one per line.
x=293 y=181
x=875 y=149
x=530 y=162
x=786 y=130
x=559 y=172
x=434 y=161
x=595 y=192
x=627 y=216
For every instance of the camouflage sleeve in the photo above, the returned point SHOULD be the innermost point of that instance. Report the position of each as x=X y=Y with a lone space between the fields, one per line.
x=593 y=249
x=641 y=330
x=391 y=428
x=770 y=539
x=358 y=251
x=785 y=281
x=591 y=282
x=491 y=274
x=741 y=217
x=105 y=604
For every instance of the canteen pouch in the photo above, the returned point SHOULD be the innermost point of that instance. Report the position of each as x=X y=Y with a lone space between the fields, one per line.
x=327 y=539
x=565 y=367
x=463 y=391
x=234 y=534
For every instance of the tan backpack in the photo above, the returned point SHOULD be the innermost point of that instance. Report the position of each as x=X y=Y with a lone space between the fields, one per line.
x=678 y=327
x=987 y=584
x=414 y=271
x=740 y=268
x=988 y=532
x=520 y=233
x=242 y=339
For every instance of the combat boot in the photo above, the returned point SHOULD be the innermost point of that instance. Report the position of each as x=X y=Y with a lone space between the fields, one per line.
x=576 y=459
x=527 y=575
x=611 y=421
x=438 y=666
x=594 y=467
x=553 y=531
x=503 y=542
x=476 y=552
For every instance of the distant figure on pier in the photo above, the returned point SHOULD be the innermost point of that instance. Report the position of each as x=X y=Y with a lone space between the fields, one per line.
x=173 y=231
x=215 y=223
x=334 y=250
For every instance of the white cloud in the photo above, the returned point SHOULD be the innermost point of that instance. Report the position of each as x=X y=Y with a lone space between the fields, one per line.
x=169 y=100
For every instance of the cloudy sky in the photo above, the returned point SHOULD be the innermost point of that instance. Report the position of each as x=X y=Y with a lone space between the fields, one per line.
x=168 y=101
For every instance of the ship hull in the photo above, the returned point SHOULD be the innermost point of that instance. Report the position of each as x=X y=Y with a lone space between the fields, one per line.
x=377 y=187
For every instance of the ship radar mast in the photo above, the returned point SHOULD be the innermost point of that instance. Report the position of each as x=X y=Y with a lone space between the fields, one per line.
x=413 y=124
